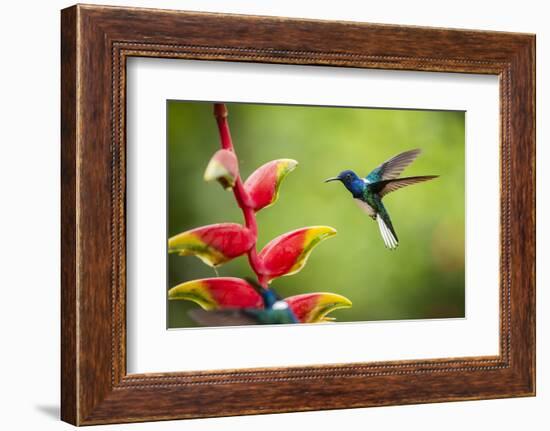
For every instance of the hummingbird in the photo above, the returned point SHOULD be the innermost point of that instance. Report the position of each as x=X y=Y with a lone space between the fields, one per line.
x=369 y=191
x=275 y=311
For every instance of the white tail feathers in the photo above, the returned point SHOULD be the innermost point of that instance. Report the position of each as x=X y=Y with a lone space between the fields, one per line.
x=387 y=235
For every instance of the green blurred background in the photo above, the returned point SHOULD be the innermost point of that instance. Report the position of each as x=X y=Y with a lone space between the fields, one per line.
x=423 y=278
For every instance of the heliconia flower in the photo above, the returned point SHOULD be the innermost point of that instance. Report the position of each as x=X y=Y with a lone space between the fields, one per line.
x=219 y=292
x=214 y=244
x=314 y=307
x=223 y=167
x=263 y=184
x=287 y=254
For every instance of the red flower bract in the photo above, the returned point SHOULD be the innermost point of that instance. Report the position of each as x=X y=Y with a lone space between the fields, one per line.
x=288 y=253
x=262 y=186
x=314 y=307
x=214 y=244
x=219 y=292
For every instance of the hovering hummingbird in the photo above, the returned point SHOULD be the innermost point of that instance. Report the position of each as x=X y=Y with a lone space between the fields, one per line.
x=369 y=191
x=275 y=311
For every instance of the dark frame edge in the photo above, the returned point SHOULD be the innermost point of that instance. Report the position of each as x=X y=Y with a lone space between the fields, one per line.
x=530 y=129
x=69 y=88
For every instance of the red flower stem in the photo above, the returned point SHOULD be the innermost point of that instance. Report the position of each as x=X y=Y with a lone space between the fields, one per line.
x=220 y=112
x=241 y=196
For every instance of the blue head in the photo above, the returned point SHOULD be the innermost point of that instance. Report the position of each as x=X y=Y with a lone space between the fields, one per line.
x=353 y=183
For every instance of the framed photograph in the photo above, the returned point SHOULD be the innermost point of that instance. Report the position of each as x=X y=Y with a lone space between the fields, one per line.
x=329 y=214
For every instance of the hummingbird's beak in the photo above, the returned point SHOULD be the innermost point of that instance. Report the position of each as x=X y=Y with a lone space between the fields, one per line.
x=328 y=180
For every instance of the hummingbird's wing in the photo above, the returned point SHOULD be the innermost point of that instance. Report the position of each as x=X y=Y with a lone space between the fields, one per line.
x=242 y=316
x=226 y=317
x=393 y=167
x=387 y=186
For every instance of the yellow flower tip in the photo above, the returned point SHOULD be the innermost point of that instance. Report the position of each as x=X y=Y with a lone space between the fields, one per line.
x=184 y=243
x=287 y=165
x=327 y=303
x=195 y=291
x=336 y=299
x=319 y=233
x=284 y=167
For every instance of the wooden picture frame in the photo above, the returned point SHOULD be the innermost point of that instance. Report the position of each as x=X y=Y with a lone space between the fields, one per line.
x=95 y=43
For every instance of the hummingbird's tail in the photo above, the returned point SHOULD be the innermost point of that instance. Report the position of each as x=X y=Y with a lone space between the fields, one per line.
x=387 y=232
